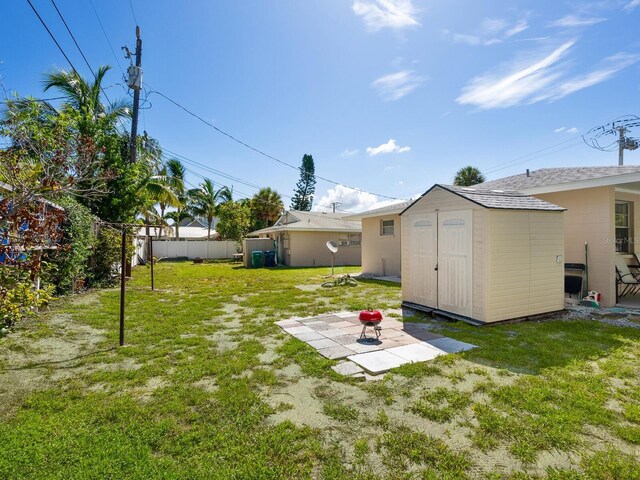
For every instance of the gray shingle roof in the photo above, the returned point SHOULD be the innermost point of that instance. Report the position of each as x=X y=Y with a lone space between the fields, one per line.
x=386 y=210
x=296 y=220
x=557 y=176
x=499 y=199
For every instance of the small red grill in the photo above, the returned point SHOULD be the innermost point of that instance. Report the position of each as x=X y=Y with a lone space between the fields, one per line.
x=370 y=318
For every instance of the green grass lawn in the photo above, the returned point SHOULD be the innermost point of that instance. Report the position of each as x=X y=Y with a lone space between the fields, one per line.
x=208 y=387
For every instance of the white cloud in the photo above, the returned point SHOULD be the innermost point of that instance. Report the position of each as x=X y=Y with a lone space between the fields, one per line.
x=351 y=200
x=632 y=5
x=545 y=79
x=378 y=14
x=570 y=131
x=389 y=147
x=349 y=152
x=576 y=21
x=519 y=84
x=490 y=32
x=394 y=86
x=607 y=69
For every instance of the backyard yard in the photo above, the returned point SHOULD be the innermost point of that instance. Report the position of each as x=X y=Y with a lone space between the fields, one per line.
x=207 y=386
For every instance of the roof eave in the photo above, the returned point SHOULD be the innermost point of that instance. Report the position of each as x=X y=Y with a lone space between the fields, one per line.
x=611 y=180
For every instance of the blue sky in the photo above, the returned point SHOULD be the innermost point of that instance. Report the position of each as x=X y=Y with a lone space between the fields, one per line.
x=390 y=96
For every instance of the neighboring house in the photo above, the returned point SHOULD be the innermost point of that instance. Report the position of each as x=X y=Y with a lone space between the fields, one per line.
x=301 y=238
x=603 y=210
x=188 y=229
x=381 y=233
x=482 y=255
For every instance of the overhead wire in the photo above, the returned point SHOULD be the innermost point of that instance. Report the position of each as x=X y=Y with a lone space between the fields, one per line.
x=133 y=12
x=257 y=150
x=104 y=32
x=228 y=177
x=64 y=54
x=78 y=47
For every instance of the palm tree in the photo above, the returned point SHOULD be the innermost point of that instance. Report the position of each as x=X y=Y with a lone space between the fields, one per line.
x=176 y=173
x=468 y=176
x=266 y=206
x=152 y=190
x=83 y=97
x=206 y=199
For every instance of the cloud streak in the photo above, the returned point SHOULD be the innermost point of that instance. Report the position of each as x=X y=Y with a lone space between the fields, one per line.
x=490 y=32
x=569 y=21
x=379 y=14
x=396 y=85
x=633 y=4
x=390 y=147
x=544 y=79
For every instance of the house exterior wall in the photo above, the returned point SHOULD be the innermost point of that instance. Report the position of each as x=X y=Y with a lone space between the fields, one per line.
x=309 y=249
x=525 y=255
x=380 y=253
x=590 y=218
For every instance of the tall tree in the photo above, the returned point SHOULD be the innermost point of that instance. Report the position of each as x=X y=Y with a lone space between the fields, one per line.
x=306 y=186
x=266 y=206
x=468 y=176
x=176 y=173
x=205 y=201
x=235 y=220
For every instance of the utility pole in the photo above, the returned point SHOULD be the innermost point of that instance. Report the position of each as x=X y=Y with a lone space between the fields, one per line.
x=135 y=83
x=621 y=144
x=334 y=205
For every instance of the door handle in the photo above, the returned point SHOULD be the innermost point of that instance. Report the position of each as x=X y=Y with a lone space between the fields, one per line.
x=436 y=269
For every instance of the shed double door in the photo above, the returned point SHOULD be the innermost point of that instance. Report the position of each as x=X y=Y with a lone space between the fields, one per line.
x=440 y=252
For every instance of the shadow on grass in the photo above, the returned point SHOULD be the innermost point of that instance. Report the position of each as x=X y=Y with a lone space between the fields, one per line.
x=530 y=347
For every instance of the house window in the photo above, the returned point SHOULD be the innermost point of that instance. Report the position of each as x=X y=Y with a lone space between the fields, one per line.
x=350 y=239
x=623 y=227
x=386 y=227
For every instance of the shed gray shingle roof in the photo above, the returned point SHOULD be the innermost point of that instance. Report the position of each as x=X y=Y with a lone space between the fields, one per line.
x=498 y=199
x=557 y=176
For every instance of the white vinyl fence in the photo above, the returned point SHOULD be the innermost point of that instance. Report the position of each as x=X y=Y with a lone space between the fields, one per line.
x=209 y=249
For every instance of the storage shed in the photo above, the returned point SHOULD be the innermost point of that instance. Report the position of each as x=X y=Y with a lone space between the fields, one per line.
x=482 y=256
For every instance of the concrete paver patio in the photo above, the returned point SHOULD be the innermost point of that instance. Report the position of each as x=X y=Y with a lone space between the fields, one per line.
x=337 y=336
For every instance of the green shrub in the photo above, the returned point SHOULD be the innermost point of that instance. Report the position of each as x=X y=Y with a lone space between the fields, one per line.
x=18 y=297
x=70 y=262
x=105 y=257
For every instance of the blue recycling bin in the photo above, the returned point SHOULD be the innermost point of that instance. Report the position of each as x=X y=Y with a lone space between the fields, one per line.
x=270 y=258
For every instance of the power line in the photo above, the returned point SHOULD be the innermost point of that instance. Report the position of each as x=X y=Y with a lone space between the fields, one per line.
x=51 y=35
x=510 y=163
x=228 y=177
x=260 y=152
x=79 y=49
x=133 y=12
x=104 y=32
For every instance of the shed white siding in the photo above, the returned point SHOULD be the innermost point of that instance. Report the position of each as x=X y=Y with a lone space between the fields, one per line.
x=494 y=264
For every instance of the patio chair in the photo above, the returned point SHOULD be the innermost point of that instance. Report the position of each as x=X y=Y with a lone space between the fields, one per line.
x=629 y=282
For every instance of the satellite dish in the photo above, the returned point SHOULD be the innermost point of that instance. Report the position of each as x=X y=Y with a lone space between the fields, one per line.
x=333 y=248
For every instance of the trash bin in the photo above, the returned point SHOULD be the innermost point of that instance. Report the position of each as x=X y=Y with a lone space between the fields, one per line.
x=257 y=259
x=270 y=258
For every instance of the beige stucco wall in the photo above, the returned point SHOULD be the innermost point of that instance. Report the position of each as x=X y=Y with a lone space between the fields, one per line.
x=526 y=266
x=590 y=217
x=309 y=249
x=380 y=253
